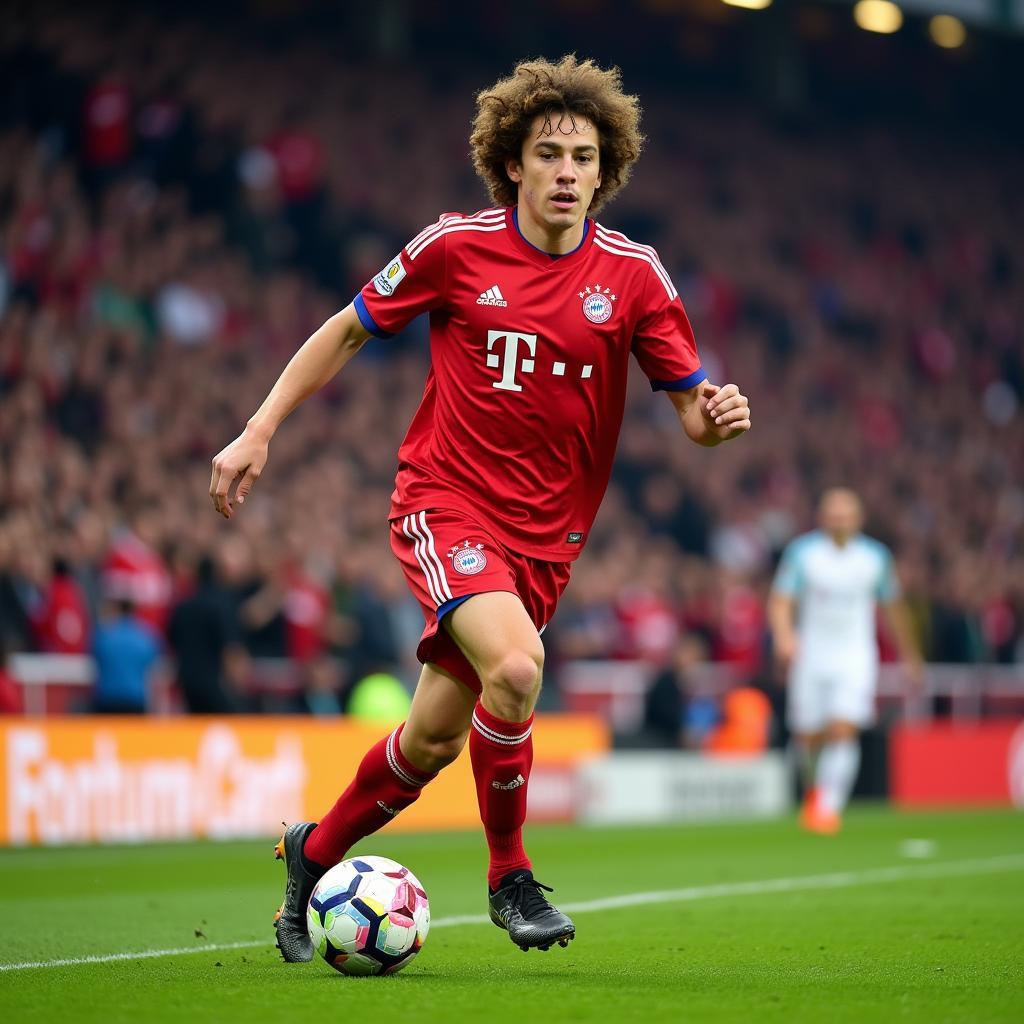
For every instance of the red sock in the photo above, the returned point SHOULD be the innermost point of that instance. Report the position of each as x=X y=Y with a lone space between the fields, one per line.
x=502 y=753
x=385 y=784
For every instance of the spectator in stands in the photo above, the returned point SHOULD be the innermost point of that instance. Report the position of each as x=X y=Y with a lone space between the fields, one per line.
x=746 y=724
x=673 y=715
x=61 y=621
x=125 y=649
x=15 y=625
x=135 y=570
x=320 y=688
x=10 y=695
x=206 y=639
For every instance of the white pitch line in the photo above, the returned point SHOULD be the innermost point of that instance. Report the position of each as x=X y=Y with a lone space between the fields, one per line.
x=145 y=954
x=761 y=887
x=834 y=880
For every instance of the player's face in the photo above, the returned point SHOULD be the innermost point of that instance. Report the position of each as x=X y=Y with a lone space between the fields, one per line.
x=840 y=514
x=559 y=172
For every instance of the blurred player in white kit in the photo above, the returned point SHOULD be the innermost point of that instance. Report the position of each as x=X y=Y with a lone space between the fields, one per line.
x=822 y=615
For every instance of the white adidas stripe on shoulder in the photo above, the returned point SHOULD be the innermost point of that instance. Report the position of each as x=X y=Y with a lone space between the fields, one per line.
x=442 y=220
x=486 y=220
x=619 y=245
x=449 y=218
x=452 y=228
x=620 y=239
x=666 y=281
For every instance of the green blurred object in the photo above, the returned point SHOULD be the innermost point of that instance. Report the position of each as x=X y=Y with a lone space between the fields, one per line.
x=380 y=698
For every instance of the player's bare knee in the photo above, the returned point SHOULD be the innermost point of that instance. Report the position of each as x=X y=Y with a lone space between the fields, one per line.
x=516 y=678
x=839 y=732
x=810 y=740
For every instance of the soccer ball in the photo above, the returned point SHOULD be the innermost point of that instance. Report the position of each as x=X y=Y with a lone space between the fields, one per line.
x=368 y=915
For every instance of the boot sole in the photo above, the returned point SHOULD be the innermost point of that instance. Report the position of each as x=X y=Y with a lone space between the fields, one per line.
x=563 y=939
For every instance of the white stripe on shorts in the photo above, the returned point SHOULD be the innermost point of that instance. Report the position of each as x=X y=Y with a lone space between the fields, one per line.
x=416 y=529
x=445 y=589
x=407 y=530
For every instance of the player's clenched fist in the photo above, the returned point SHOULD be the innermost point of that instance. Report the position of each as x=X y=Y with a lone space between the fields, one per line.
x=726 y=412
x=245 y=457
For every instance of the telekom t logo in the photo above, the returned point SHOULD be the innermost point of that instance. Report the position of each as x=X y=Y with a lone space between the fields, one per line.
x=507 y=359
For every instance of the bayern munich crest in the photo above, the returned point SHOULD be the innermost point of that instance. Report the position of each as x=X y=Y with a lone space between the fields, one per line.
x=597 y=303
x=469 y=559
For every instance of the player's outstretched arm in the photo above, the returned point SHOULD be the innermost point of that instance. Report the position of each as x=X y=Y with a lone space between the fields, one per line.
x=711 y=414
x=325 y=352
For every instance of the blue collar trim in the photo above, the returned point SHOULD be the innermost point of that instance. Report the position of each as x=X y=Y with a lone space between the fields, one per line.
x=553 y=255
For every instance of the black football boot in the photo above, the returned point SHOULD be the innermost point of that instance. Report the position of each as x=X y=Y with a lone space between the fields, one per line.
x=290 y=921
x=519 y=906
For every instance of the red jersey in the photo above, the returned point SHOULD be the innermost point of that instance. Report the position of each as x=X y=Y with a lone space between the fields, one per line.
x=106 y=117
x=62 y=623
x=529 y=355
x=306 y=607
x=133 y=571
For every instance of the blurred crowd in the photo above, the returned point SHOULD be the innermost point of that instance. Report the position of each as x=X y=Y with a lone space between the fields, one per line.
x=166 y=243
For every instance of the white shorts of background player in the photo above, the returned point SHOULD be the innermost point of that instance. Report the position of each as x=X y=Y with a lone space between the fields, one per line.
x=837 y=689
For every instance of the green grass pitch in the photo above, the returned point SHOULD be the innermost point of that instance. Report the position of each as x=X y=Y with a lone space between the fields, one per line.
x=855 y=930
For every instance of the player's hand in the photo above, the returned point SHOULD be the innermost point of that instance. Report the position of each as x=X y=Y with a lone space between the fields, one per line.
x=726 y=412
x=245 y=457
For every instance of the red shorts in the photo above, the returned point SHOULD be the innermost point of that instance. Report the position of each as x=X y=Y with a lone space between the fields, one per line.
x=447 y=555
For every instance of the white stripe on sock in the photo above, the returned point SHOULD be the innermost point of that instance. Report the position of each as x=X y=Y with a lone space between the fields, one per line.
x=403 y=775
x=505 y=739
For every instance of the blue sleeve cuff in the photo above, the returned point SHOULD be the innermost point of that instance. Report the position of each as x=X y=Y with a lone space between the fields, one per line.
x=366 y=319
x=450 y=606
x=683 y=384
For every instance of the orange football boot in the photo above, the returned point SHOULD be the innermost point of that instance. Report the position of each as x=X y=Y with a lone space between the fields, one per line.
x=815 y=818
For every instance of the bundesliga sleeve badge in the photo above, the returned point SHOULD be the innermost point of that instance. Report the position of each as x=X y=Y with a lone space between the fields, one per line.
x=390 y=277
x=469 y=559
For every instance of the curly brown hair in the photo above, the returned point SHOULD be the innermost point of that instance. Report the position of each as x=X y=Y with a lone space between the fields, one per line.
x=506 y=111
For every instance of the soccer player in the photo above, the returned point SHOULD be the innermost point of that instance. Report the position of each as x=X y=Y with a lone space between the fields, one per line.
x=535 y=310
x=822 y=617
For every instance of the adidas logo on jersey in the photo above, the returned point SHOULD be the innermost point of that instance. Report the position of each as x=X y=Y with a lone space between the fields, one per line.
x=492 y=297
x=514 y=784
